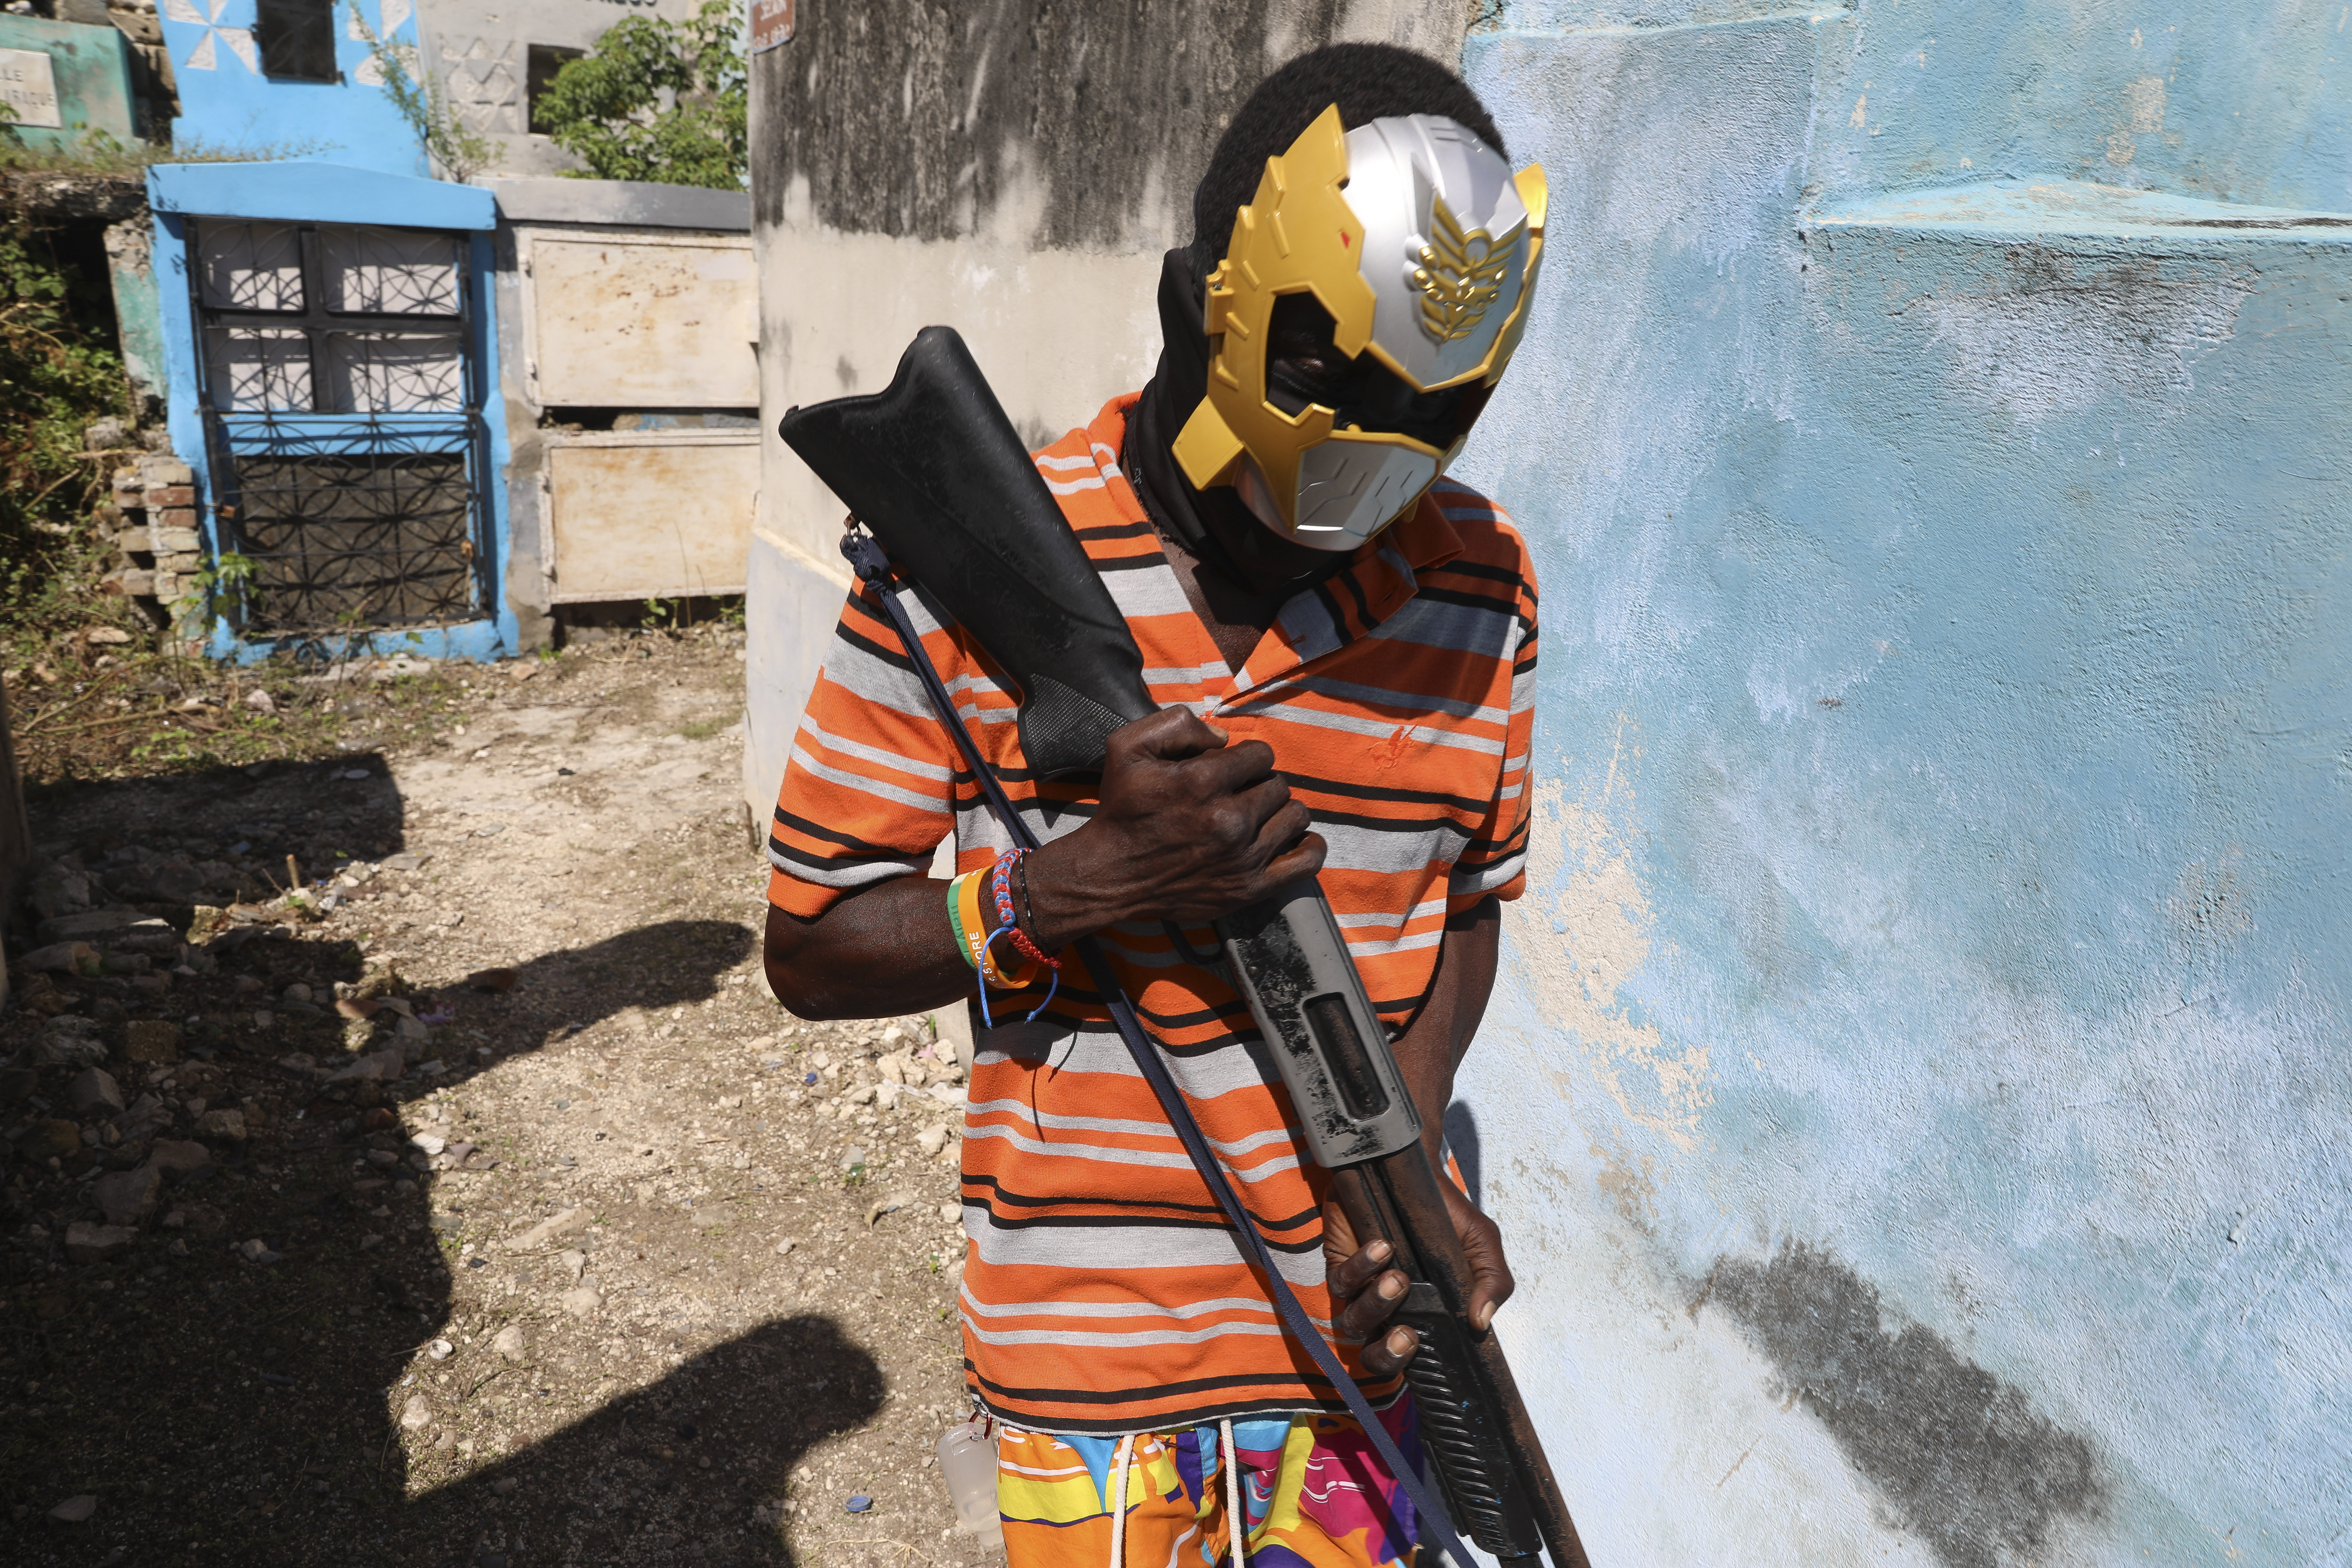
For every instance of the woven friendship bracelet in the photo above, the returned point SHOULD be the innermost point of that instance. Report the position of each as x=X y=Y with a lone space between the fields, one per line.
x=1000 y=887
x=975 y=937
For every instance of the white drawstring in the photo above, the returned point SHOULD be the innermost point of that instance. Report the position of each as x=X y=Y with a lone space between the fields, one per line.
x=1236 y=1522
x=1119 y=1462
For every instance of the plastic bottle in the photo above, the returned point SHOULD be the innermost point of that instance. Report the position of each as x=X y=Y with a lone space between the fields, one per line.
x=968 y=1464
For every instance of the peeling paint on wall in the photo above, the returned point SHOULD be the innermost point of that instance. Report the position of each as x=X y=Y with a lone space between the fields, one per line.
x=1941 y=727
x=139 y=323
x=2240 y=103
x=1583 y=887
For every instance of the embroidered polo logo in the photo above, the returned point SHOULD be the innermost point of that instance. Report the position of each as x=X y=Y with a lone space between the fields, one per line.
x=1388 y=753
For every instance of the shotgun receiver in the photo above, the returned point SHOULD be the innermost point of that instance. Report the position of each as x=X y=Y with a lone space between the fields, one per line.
x=934 y=470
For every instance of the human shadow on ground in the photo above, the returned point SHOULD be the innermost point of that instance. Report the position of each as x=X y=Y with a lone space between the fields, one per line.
x=669 y=964
x=221 y=1376
x=695 y=1464
x=164 y=844
x=276 y=1447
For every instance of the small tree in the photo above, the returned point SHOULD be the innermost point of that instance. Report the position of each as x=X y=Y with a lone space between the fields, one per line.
x=660 y=100
x=450 y=145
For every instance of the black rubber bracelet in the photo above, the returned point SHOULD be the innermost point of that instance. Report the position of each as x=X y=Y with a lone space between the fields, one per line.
x=1020 y=869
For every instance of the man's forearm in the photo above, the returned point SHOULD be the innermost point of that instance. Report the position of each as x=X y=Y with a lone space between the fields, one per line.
x=1434 y=1045
x=1427 y=1054
x=878 y=953
x=1188 y=827
x=888 y=949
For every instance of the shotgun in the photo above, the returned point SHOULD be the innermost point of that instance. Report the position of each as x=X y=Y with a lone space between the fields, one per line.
x=934 y=470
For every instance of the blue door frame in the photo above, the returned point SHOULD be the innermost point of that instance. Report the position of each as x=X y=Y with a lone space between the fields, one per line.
x=183 y=195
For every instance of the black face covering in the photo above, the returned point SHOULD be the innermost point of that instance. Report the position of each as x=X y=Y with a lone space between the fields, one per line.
x=1175 y=389
x=1213 y=526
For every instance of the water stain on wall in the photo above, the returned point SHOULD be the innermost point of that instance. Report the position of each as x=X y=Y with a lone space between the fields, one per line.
x=920 y=119
x=2052 y=336
x=1960 y=1458
x=1630 y=1184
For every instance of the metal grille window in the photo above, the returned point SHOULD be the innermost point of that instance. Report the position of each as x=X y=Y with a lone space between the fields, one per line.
x=361 y=539
x=297 y=39
x=339 y=392
x=305 y=320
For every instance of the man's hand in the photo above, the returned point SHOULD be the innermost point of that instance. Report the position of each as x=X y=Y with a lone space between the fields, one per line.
x=1365 y=1289
x=1366 y=1292
x=1189 y=828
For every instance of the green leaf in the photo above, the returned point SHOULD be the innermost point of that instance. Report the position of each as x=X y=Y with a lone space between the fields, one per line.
x=660 y=100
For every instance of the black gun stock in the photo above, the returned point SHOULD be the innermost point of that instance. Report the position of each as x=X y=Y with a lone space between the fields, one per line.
x=932 y=466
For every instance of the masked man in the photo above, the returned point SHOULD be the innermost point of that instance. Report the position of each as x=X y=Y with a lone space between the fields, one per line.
x=1343 y=645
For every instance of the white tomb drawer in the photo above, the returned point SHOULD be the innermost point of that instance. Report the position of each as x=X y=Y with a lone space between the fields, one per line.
x=648 y=514
x=623 y=319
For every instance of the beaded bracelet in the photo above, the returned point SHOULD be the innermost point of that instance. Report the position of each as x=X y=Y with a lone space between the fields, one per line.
x=976 y=941
x=1001 y=888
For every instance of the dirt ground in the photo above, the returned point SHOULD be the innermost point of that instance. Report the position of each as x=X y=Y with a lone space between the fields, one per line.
x=478 y=1204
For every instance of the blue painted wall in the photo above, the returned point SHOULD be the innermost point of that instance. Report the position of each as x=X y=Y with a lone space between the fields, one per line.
x=1918 y=1090
x=227 y=104
x=339 y=153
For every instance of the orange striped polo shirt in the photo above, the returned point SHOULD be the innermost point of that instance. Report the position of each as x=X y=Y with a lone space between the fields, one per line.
x=1103 y=1292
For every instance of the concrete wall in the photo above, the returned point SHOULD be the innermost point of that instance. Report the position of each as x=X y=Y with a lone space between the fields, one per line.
x=138 y=315
x=483 y=54
x=88 y=90
x=1013 y=172
x=154 y=100
x=1916 y=1094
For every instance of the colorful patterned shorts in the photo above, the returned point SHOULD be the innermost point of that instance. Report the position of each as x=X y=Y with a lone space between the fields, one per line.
x=1315 y=1491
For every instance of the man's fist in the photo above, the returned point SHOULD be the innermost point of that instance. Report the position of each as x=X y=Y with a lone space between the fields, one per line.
x=1190 y=827
x=1366 y=1291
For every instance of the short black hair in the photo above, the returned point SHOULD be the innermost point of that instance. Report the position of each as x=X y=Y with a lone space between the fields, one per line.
x=1367 y=81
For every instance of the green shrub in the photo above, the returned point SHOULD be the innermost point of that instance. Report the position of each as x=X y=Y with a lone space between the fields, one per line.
x=660 y=100
x=58 y=372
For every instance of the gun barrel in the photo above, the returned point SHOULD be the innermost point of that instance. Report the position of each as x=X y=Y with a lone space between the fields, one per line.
x=1491 y=1461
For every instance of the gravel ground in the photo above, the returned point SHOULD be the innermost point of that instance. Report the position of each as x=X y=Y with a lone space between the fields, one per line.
x=479 y=1205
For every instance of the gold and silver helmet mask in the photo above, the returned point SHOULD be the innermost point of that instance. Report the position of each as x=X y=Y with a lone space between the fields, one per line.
x=1422 y=247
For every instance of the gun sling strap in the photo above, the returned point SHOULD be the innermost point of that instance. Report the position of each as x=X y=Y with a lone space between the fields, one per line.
x=873 y=566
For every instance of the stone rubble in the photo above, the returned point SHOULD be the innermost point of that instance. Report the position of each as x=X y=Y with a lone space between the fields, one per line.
x=476 y=1190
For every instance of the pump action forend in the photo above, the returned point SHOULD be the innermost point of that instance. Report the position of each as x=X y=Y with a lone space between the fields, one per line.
x=934 y=470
